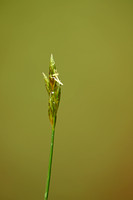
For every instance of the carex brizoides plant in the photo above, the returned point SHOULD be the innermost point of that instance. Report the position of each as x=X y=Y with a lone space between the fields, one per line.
x=53 y=87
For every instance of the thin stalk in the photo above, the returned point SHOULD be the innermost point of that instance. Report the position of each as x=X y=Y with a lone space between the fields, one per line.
x=50 y=160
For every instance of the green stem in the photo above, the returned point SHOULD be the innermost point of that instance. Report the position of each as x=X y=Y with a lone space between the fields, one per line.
x=50 y=160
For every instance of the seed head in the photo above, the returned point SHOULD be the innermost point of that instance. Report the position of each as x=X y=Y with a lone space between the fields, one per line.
x=53 y=87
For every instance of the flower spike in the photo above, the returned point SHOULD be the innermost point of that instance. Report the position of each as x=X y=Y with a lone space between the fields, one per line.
x=53 y=87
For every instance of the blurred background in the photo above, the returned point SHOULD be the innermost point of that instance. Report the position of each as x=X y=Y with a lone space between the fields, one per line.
x=92 y=43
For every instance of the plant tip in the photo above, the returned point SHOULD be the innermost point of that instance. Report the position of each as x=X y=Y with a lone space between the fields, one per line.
x=52 y=59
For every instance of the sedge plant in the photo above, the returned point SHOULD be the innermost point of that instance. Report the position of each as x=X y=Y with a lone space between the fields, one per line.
x=53 y=87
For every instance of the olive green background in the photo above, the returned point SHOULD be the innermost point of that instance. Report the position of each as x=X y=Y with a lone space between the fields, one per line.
x=92 y=43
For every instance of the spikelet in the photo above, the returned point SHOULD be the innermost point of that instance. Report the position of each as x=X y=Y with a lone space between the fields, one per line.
x=53 y=87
